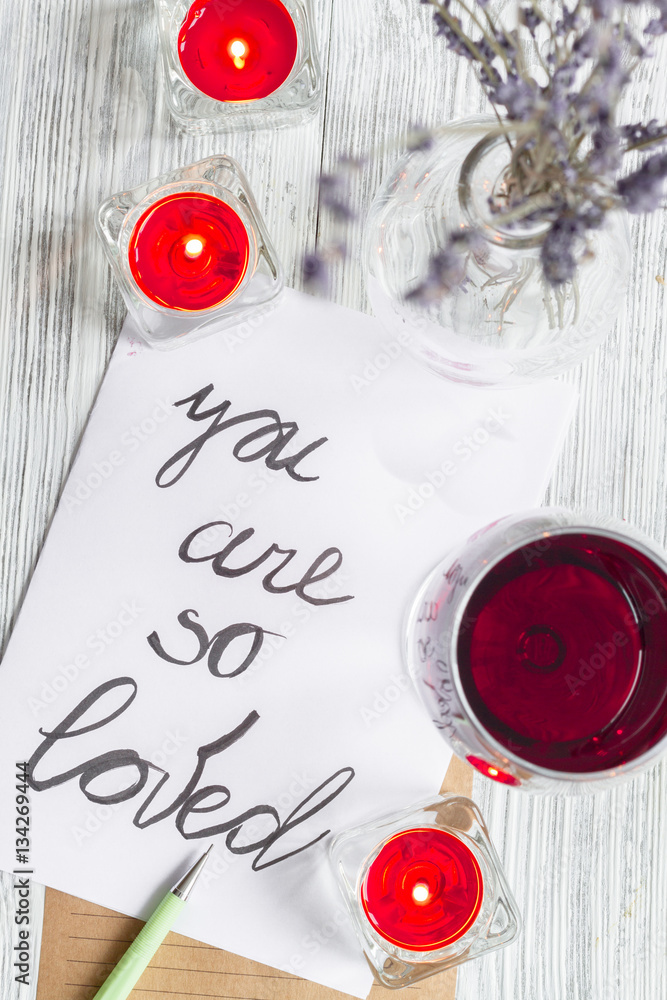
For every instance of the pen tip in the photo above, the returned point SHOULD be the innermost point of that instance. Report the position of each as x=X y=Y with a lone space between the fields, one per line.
x=183 y=888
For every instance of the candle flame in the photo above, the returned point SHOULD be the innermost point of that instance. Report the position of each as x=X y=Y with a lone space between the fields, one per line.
x=420 y=892
x=194 y=247
x=238 y=50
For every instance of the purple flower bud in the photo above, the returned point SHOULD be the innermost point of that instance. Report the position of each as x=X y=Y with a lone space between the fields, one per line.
x=485 y=49
x=604 y=9
x=569 y=22
x=652 y=132
x=587 y=44
x=642 y=190
x=558 y=261
x=314 y=270
x=658 y=26
x=517 y=96
x=605 y=157
x=419 y=140
x=447 y=268
x=454 y=43
x=335 y=197
x=529 y=17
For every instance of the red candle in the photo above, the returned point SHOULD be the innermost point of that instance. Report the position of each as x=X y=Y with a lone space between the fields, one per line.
x=189 y=251
x=237 y=52
x=423 y=890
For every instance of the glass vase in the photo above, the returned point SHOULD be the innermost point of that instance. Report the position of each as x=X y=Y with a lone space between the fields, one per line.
x=503 y=324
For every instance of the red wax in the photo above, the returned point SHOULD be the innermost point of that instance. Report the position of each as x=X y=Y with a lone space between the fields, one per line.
x=189 y=251
x=239 y=51
x=563 y=656
x=423 y=890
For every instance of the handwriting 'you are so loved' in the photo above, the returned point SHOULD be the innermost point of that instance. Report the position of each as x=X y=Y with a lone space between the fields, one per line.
x=256 y=436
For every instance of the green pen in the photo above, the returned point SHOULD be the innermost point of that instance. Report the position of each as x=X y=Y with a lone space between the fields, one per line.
x=122 y=980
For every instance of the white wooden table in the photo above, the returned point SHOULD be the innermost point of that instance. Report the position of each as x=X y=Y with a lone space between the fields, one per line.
x=83 y=116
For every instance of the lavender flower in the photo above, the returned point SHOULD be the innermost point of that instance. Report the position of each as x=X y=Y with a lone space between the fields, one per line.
x=567 y=147
x=530 y=17
x=419 y=140
x=569 y=22
x=558 y=250
x=452 y=32
x=603 y=10
x=642 y=190
x=658 y=26
x=570 y=190
x=605 y=158
x=517 y=96
x=587 y=45
x=314 y=270
x=644 y=135
x=447 y=268
x=334 y=196
x=597 y=101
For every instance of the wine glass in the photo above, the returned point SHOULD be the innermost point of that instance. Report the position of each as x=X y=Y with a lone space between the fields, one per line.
x=540 y=650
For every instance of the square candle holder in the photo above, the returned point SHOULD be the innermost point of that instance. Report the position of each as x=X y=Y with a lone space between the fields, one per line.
x=425 y=890
x=239 y=64
x=190 y=252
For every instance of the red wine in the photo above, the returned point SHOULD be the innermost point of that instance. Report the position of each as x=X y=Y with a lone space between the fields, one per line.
x=562 y=652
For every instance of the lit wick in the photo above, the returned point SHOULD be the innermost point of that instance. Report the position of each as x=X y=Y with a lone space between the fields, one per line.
x=238 y=51
x=420 y=893
x=194 y=247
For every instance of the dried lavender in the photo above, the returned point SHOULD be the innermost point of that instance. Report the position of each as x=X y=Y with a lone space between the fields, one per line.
x=447 y=270
x=641 y=191
x=335 y=198
x=559 y=119
x=567 y=149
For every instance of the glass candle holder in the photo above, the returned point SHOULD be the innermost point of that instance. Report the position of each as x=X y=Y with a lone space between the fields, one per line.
x=239 y=64
x=190 y=252
x=540 y=650
x=425 y=890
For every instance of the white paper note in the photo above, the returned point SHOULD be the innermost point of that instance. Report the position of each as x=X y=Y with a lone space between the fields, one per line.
x=167 y=706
